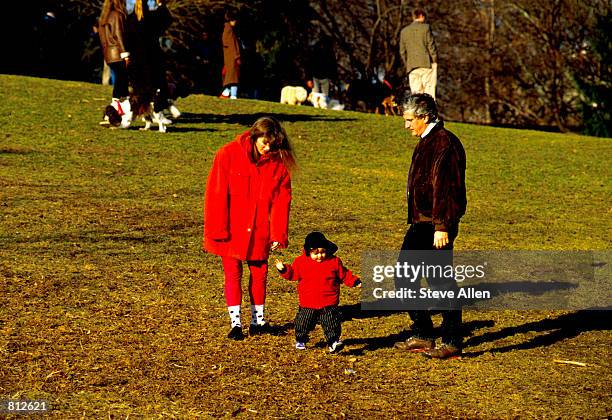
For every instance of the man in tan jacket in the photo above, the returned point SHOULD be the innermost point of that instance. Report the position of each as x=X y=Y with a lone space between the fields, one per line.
x=419 y=53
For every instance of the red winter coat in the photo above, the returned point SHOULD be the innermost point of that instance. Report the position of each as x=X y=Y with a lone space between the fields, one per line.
x=247 y=203
x=319 y=282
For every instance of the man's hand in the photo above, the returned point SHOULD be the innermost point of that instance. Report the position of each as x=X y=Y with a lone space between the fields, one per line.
x=434 y=66
x=274 y=246
x=440 y=239
x=279 y=265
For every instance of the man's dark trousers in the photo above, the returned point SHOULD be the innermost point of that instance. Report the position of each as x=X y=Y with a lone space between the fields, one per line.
x=420 y=236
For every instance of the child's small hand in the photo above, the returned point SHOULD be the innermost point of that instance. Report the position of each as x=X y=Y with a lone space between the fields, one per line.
x=279 y=265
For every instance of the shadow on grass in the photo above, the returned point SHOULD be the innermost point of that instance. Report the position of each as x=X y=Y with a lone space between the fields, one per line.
x=15 y=150
x=377 y=343
x=554 y=330
x=557 y=329
x=248 y=119
x=281 y=330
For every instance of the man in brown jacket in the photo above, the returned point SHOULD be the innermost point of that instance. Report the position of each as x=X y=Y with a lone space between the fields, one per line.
x=420 y=55
x=436 y=202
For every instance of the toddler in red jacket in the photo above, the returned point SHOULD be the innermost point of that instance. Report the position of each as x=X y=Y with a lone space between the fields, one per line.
x=319 y=274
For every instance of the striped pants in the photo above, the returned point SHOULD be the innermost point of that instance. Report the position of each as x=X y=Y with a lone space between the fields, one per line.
x=329 y=317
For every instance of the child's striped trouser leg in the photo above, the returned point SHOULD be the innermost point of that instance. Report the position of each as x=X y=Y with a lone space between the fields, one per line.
x=331 y=321
x=305 y=321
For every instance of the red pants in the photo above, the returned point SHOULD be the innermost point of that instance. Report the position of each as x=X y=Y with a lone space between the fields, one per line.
x=233 y=276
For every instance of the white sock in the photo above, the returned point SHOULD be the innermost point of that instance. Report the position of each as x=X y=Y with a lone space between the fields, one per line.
x=257 y=315
x=234 y=313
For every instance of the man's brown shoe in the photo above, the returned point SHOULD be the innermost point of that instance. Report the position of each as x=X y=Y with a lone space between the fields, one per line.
x=445 y=351
x=415 y=344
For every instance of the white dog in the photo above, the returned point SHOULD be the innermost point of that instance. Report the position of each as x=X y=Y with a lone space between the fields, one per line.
x=293 y=95
x=318 y=100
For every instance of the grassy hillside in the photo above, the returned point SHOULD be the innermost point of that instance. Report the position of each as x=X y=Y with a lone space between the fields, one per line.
x=111 y=308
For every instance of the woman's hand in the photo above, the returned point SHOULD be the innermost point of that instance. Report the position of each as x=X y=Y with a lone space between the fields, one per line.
x=274 y=246
x=279 y=265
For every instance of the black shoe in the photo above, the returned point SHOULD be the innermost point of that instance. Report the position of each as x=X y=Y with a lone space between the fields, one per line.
x=256 y=329
x=236 y=334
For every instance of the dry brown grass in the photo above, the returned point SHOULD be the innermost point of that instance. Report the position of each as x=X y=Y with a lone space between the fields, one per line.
x=110 y=309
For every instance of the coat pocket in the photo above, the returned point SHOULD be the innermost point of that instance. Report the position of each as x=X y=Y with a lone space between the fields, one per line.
x=114 y=54
x=239 y=184
x=423 y=197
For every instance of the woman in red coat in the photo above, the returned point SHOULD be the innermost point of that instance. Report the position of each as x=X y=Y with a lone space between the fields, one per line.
x=246 y=213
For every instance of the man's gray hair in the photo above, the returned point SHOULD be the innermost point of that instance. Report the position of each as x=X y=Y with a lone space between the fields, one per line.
x=421 y=105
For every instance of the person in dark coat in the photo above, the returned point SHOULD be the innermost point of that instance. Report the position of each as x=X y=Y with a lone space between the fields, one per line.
x=436 y=203
x=231 y=57
x=246 y=213
x=147 y=20
x=323 y=69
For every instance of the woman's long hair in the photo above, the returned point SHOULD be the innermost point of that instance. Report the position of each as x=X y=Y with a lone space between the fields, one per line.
x=108 y=6
x=271 y=129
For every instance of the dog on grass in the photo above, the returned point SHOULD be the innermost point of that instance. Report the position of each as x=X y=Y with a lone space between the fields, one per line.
x=318 y=100
x=122 y=113
x=293 y=95
x=389 y=106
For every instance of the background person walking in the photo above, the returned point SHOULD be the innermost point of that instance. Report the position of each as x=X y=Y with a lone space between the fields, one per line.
x=231 y=57
x=147 y=20
x=112 y=38
x=420 y=55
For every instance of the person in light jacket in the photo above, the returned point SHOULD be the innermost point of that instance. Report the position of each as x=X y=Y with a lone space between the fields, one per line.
x=246 y=213
x=420 y=55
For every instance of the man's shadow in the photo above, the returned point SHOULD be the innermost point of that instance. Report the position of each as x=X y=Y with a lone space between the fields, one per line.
x=351 y=312
x=556 y=329
x=552 y=330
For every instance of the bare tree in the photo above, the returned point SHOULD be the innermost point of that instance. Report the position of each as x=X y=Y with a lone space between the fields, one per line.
x=519 y=62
